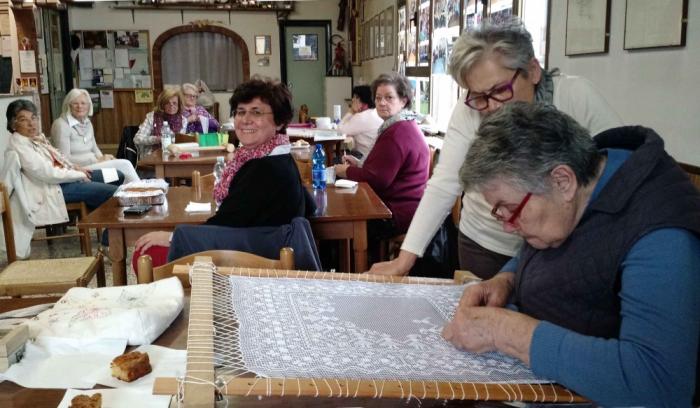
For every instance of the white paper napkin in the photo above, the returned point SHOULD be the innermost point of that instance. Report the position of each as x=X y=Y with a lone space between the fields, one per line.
x=120 y=398
x=345 y=183
x=165 y=362
x=109 y=174
x=198 y=207
x=52 y=362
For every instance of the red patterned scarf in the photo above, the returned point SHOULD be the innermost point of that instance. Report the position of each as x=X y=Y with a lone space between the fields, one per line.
x=240 y=157
x=174 y=122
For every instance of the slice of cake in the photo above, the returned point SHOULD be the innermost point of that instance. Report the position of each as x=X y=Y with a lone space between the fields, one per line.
x=86 y=401
x=130 y=366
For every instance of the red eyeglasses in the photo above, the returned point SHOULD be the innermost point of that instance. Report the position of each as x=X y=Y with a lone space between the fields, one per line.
x=495 y=211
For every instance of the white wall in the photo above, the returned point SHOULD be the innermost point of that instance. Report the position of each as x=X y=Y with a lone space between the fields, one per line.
x=246 y=24
x=369 y=70
x=655 y=88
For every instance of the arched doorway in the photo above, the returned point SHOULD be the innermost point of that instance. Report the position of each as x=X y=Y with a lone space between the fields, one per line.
x=167 y=35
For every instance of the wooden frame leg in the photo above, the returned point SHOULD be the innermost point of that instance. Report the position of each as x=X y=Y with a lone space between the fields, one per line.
x=360 y=245
x=117 y=253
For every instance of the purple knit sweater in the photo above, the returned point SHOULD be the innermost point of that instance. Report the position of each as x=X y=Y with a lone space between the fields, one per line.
x=397 y=170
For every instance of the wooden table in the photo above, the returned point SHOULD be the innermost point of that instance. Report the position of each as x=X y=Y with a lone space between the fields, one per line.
x=344 y=216
x=331 y=140
x=173 y=166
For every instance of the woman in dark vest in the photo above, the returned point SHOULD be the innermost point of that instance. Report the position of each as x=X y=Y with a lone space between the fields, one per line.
x=606 y=286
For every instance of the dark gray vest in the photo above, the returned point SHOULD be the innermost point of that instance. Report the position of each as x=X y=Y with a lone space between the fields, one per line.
x=576 y=286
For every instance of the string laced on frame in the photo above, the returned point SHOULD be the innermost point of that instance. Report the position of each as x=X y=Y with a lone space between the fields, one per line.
x=236 y=343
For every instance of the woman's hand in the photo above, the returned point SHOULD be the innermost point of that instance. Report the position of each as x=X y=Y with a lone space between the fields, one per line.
x=155 y=238
x=192 y=116
x=341 y=170
x=492 y=292
x=106 y=157
x=351 y=160
x=400 y=266
x=87 y=172
x=483 y=329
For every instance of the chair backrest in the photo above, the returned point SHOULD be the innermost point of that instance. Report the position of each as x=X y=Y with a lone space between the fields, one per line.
x=146 y=273
x=127 y=148
x=6 y=214
x=203 y=182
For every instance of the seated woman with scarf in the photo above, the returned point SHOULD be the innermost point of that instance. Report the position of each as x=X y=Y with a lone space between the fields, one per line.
x=260 y=186
x=168 y=109
x=397 y=166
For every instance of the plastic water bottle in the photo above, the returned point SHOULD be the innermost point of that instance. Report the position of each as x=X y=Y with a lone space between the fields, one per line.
x=219 y=168
x=166 y=138
x=318 y=168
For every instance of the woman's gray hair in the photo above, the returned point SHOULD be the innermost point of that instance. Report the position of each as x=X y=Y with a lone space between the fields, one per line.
x=400 y=84
x=15 y=108
x=191 y=87
x=509 y=39
x=522 y=142
x=72 y=95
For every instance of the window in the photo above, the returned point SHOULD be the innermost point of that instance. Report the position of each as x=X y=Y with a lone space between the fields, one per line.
x=427 y=30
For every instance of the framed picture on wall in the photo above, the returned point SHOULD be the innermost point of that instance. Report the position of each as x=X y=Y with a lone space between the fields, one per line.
x=654 y=24
x=587 y=27
x=389 y=31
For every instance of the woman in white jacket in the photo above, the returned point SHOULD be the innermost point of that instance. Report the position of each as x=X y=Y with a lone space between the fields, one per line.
x=48 y=178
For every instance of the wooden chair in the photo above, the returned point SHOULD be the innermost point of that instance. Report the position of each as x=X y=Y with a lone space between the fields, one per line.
x=42 y=276
x=693 y=173
x=82 y=233
x=389 y=248
x=146 y=272
x=203 y=183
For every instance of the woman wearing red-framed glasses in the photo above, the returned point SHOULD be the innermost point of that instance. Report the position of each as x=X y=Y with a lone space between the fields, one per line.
x=496 y=65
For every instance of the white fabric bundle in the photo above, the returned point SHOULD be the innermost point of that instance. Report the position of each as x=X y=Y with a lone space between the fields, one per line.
x=137 y=313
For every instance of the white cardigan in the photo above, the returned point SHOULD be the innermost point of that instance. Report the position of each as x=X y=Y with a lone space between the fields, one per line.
x=573 y=95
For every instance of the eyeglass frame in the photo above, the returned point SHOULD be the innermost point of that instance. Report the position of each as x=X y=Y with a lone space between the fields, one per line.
x=489 y=95
x=255 y=114
x=514 y=215
x=186 y=95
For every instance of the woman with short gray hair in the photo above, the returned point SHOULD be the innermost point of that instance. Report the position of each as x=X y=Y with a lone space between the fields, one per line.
x=605 y=287
x=496 y=64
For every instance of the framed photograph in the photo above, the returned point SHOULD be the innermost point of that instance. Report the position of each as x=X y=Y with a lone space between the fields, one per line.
x=305 y=47
x=389 y=31
x=262 y=45
x=382 y=34
x=587 y=27
x=655 y=23
x=126 y=39
x=143 y=96
x=94 y=39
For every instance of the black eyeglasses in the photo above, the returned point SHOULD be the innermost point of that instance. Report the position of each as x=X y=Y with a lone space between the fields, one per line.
x=500 y=93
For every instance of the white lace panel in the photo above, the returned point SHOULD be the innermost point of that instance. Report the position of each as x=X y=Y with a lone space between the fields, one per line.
x=303 y=328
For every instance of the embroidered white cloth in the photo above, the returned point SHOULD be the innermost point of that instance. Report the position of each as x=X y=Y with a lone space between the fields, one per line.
x=337 y=329
x=137 y=313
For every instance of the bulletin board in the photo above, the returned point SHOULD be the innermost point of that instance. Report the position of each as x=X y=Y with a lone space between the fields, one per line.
x=116 y=59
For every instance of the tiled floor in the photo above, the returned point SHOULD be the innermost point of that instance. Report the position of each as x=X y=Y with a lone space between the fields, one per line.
x=69 y=247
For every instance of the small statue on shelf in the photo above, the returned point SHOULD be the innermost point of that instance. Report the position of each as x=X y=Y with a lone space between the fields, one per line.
x=303 y=114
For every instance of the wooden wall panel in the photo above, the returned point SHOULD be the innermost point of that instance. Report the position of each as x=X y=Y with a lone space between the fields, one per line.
x=45 y=110
x=108 y=123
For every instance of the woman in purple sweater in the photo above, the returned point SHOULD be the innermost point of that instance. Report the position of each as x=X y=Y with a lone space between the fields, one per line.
x=397 y=166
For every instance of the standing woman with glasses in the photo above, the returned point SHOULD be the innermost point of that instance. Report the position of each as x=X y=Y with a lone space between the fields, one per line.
x=397 y=166
x=198 y=118
x=496 y=64
x=261 y=185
